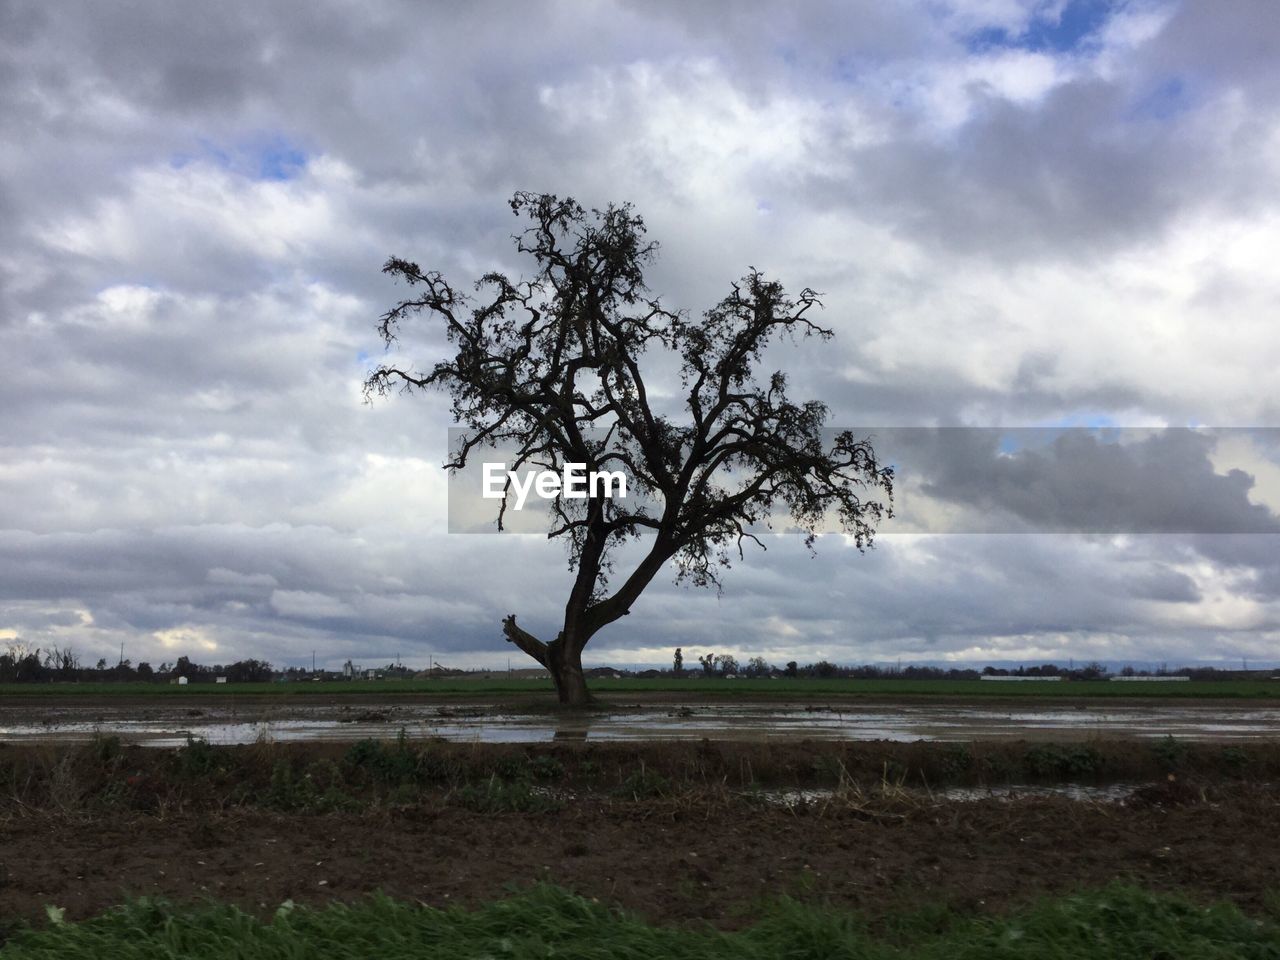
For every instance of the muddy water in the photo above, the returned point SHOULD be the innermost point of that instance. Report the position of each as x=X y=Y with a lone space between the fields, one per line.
x=167 y=726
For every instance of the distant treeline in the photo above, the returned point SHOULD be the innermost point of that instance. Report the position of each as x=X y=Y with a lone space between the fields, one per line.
x=727 y=666
x=20 y=664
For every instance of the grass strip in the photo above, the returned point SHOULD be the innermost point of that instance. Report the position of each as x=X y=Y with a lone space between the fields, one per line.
x=797 y=688
x=1119 y=922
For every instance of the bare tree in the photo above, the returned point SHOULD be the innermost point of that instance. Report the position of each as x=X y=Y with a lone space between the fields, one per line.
x=554 y=366
x=726 y=664
x=64 y=662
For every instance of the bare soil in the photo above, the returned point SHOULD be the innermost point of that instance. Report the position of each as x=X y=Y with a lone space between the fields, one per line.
x=668 y=861
x=85 y=826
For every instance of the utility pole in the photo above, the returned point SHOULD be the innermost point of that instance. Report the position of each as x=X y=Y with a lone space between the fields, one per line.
x=313 y=661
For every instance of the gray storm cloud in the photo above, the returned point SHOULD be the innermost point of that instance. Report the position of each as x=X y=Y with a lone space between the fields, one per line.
x=1011 y=227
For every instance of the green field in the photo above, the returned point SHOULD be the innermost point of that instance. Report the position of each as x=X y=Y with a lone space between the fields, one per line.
x=1110 y=924
x=798 y=688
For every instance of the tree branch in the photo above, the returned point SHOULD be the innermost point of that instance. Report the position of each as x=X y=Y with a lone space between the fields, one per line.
x=525 y=640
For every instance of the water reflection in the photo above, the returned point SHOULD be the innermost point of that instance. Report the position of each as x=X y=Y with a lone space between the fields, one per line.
x=485 y=723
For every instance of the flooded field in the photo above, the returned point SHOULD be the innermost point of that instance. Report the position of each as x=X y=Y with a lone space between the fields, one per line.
x=170 y=725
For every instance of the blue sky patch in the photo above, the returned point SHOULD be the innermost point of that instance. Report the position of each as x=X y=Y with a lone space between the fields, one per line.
x=1086 y=418
x=269 y=158
x=1165 y=102
x=280 y=161
x=1079 y=20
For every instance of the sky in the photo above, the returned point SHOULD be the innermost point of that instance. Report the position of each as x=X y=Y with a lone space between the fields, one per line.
x=1020 y=213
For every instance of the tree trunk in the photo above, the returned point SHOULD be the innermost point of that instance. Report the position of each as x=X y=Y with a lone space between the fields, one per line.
x=565 y=664
x=563 y=660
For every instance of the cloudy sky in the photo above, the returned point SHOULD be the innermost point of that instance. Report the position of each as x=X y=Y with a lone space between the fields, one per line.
x=1020 y=213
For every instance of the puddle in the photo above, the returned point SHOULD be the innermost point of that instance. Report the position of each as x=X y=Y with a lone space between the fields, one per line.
x=170 y=726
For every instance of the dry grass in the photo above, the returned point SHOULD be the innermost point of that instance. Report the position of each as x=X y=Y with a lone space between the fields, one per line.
x=106 y=774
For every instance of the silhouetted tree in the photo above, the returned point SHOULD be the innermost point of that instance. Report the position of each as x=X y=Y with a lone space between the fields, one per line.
x=726 y=663
x=554 y=366
x=1092 y=670
x=64 y=662
x=22 y=663
x=248 y=671
x=677 y=664
x=824 y=669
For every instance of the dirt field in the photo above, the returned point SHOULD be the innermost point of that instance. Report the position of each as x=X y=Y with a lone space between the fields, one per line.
x=668 y=862
x=675 y=831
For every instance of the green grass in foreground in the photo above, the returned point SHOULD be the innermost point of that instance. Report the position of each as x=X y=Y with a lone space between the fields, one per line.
x=1117 y=922
x=801 y=689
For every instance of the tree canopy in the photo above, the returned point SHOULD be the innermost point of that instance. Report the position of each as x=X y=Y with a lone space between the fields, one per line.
x=557 y=366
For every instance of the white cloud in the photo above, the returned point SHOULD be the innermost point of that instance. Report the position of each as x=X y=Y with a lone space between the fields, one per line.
x=1001 y=235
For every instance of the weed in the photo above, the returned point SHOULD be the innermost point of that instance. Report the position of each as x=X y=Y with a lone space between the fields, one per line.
x=1170 y=753
x=114 y=796
x=197 y=759
x=303 y=794
x=324 y=773
x=66 y=791
x=1235 y=759
x=892 y=770
x=997 y=766
x=643 y=784
x=546 y=768
x=104 y=748
x=511 y=768
x=403 y=795
x=363 y=753
x=500 y=796
x=956 y=761
x=1063 y=760
x=826 y=768
x=392 y=766
x=286 y=793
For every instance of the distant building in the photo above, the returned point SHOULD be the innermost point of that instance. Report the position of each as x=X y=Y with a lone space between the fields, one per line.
x=1161 y=679
x=520 y=673
x=1015 y=677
